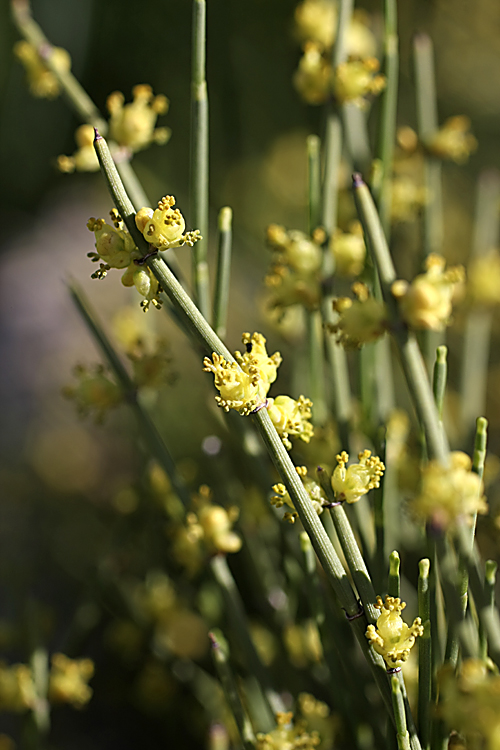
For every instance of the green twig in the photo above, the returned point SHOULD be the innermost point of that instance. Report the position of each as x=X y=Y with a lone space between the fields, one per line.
x=316 y=362
x=399 y=713
x=314 y=181
x=411 y=357
x=394 y=580
x=489 y=587
x=424 y=656
x=224 y=578
x=223 y=278
x=231 y=693
x=199 y=157
x=151 y=435
x=439 y=378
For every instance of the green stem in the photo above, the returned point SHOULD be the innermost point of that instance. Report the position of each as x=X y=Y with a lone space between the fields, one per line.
x=316 y=366
x=424 y=656
x=232 y=695
x=394 y=580
x=223 y=278
x=411 y=357
x=388 y=115
x=439 y=378
x=199 y=157
x=76 y=95
x=476 y=348
x=151 y=435
x=399 y=712
x=314 y=181
x=232 y=596
x=489 y=587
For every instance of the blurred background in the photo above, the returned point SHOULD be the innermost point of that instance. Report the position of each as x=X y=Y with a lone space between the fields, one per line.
x=60 y=477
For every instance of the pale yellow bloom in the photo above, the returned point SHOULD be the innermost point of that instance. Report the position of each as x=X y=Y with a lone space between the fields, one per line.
x=291 y=418
x=256 y=357
x=114 y=245
x=17 y=688
x=68 y=680
x=349 y=250
x=239 y=390
x=146 y=284
x=453 y=141
x=360 y=321
x=349 y=483
x=94 y=393
x=483 y=280
x=354 y=80
x=426 y=303
x=133 y=125
x=448 y=492
x=393 y=638
x=287 y=736
x=85 y=158
x=316 y=20
x=313 y=76
x=313 y=489
x=42 y=81
x=164 y=227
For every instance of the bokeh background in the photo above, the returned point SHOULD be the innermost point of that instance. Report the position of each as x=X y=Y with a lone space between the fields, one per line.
x=60 y=477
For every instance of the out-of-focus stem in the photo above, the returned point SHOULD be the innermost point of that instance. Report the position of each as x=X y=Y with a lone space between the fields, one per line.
x=388 y=113
x=394 y=581
x=399 y=712
x=224 y=578
x=316 y=366
x=477 y=333
x=223 y=278
x=74 y=92
x=424 y=656
x=439 y=378
x=489 y=587
x=314 y=181
x=199 y=157
x=232 y=696
x=151 y=435
x=411 y=357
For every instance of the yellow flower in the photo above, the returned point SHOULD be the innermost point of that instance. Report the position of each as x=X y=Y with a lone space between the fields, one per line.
x=68 y=680
x=295 y=249
x=360 y=321
x=393 y=638
x=85 y=158
x=216 y=523
x=316 y=20
x=291 y=417
x=17 y=689
x=256 y=357
x=94 y=392
x=294 y=275
x=355 y=79
x=349 y=483
x=163 y=228
x=426 y=303
x=313 y=489
x=453 y=141
x=146 y=284
x=448 y=492
x=133 y=125
x=349 y=250
x=114 y=244
x=42 y=81
x=239 y=390
x=312 y=77
x=287 y=736
x=407 y=198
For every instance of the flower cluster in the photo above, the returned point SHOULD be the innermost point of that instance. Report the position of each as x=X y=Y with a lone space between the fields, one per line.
x=287 y=736
x=243 y=386
x=313 y=489
x=349 y=250
x=164 y=227
x=294 y=275
x=94 y=392
x=471 y=703
x=315 y=80
x=392 y=638
x=208 y=530
x=349 y=483
x=427 y=302
x=453 y=141
x=68 y=680
x=449 y=492
x=131 y=129
x=359 y=321
x=132 y=125
x=41 y=81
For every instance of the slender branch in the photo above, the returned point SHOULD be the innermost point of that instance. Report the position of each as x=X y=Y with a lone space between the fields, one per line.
x=424 y=655
x=223 y=277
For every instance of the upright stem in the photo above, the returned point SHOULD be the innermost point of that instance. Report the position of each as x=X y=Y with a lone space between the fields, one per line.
x=199 y=157
x=314 y=181
x=223 y=278
x=424 y=656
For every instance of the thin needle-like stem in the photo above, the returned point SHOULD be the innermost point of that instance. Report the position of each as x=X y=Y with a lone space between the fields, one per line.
x=314 y=181
x=223 y=278
x=199 y=157
x=153 y=439
x=424 y=656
